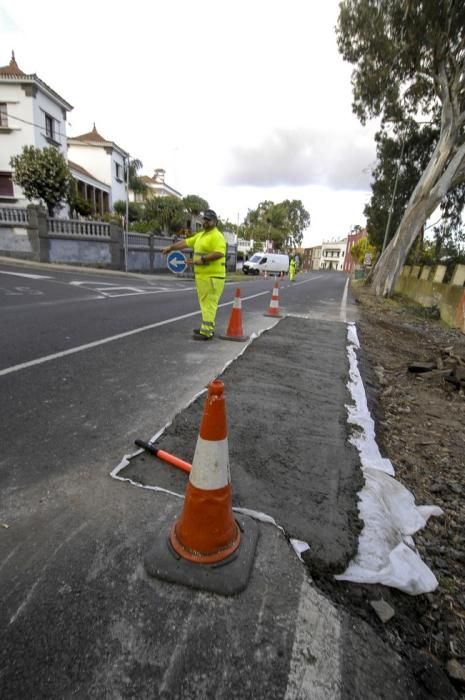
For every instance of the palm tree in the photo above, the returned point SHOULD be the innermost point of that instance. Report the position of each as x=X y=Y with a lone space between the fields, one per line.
x=136 y=184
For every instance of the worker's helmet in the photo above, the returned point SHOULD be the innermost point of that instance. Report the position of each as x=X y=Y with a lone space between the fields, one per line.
x=210 y=215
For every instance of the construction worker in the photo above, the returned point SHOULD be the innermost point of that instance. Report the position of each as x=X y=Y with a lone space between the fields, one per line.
x=209 y=262
x=292 y=267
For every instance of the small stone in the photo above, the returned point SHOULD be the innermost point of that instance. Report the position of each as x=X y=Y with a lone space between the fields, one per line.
x=382 y=609
x=456 y=670
x=436 y=488
x=441 y=563
x=456 y=488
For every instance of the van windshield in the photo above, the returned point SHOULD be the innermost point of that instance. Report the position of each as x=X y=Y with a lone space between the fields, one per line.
x=255 y=258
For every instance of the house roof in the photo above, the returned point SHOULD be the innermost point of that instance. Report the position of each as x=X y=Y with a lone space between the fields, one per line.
x=12 y=72
x=12 y=68
x=79 y=169
x=154 y=184
x=94 y=138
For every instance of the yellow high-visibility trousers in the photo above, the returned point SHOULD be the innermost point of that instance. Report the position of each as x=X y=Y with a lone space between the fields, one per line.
x=209 y=291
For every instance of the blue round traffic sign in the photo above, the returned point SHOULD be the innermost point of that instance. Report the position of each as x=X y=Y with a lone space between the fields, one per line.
x=176 y=261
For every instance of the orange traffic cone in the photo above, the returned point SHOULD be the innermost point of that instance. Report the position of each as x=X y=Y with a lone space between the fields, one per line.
x=273 y=309
x=208 y=547
x=234 y=330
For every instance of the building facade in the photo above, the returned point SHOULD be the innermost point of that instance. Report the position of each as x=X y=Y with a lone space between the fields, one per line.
x=333 y=254
x=349 y=263
x=97 y=193
x=31 y=114
x=103 y=158
x=157 y=187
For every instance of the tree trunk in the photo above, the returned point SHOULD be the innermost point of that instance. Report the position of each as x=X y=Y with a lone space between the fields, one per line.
x=438 y=177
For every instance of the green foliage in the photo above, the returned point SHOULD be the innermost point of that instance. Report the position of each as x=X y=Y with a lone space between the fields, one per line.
x=142 y=227
x=195 y=204
x=409 y=60
x=397 y=47
x=164 y=214
x=43 y=174
x=81 y=206
x=360 y=248
x=283 y=223
x=405 y=155
x=136 y=184
x=134 y=210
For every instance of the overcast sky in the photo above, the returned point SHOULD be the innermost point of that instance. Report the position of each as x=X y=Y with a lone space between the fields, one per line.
x=238 y=101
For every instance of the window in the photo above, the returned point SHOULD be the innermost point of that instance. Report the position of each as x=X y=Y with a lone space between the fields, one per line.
x=118 y=171
x=6 y=185
x=49 y=127
x=3 y=114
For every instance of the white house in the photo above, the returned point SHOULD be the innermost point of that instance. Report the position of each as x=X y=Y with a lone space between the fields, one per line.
x=316 y=257
x=332 y=254
x=103 y=158
x=157 y=187
x=31 y=114
x=94 y=191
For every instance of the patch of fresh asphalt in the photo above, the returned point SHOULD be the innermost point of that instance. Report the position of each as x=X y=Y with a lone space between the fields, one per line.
x=286 y=461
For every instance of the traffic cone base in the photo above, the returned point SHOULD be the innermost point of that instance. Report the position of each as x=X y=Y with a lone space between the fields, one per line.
x=227 y=577
x=235 y=330
x=206 y=534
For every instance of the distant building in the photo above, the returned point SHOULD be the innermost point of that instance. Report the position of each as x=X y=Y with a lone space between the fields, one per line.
x=312 y=258
x=157 y=187
x=349 y=263
x=102 y=158
x=31 y=114
x=333 y=254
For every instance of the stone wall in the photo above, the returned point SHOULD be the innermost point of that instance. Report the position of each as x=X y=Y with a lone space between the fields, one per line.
x=425 y=286
x=30 y=234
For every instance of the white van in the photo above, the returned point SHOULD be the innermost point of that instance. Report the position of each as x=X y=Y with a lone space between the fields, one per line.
x=266 y=262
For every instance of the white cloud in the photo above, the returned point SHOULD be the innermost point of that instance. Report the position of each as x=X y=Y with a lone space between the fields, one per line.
x=304 y=157
x=239 y=101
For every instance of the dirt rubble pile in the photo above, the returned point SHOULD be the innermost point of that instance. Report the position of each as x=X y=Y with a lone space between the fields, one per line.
x=420 y=427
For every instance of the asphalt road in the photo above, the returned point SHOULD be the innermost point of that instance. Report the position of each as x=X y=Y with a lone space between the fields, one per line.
x=89 y=362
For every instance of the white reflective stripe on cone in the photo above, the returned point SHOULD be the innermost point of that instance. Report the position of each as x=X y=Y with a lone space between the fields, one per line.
x=210 y=466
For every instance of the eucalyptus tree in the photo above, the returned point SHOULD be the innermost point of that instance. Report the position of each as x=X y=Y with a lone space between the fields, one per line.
x=409 y=61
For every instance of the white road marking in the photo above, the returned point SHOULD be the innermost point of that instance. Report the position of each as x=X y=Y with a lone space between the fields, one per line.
x=110 y=339
x=23 y=274
x=343 y=312
x=119 y=336
x=315 y=668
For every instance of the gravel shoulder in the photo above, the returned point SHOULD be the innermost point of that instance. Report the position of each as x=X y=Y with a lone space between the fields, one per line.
x=420 y=422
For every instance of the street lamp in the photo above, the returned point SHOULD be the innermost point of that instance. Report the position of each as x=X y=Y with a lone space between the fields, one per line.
x=393 y=195
x=126 y=222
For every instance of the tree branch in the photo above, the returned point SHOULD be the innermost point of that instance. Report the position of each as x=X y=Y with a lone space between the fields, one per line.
x=452 y=176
